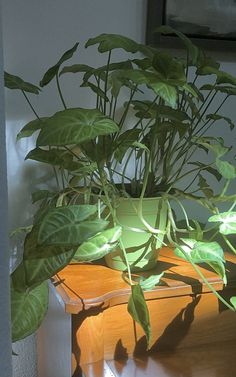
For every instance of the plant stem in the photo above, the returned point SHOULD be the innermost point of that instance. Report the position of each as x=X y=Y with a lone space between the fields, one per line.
x=32 y=108
x=60 y=92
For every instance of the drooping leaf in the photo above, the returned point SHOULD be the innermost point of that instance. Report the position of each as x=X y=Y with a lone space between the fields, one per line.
x=108 y=42
x=226 y=169
x=207 y=168
x=204 y=187
x=53 y=71
x=39 y=263
x=28 y=309
x=138 y=310
x=98 y=91
x=166 y=91
x=100 y=71
x=219 y=268
x=98 y=246
x=75 y=126
x=69 y=225
x=193 y=50
x=54 y=157
x=214 y=145
x=221 y=117
x=124 y=142
x=147 y=284
x=41 y=194
x=30 y=128
x=15 y=82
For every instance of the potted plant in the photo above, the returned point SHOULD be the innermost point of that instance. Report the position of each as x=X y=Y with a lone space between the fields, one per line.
x=142 y=148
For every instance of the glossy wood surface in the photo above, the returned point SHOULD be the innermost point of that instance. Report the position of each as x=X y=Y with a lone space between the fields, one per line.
x=187 y=320
x=83 y=286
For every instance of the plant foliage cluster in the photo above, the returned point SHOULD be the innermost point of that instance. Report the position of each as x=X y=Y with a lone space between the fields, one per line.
x=164 y=121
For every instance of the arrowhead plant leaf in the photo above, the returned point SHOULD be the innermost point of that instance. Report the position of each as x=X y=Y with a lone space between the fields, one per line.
x=75 y=126
x=28 y=309
x=138 y=310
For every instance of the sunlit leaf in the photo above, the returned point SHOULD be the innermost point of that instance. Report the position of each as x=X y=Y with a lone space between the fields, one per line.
x=228 y=220
x=138 y=310
x=226 y=169
x=98 y=246
x=147 y=284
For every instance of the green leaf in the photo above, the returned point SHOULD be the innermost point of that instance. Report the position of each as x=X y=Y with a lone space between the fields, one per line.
x=233 y=301
x=101 y=71
x=147 y=284
x=42 y=194
x=138 y=310
x=169 y=68
x=98 y=91
x=203 y=252
x=67 y=226
x=30 y=128
x=76 y=68
x=204 y=187
x=228 y=220
x=219 y=268
x=15 y=82
x=193 y=50
x=226 y=169
x=200 y=252
x=165 y=91
x=98 y=246
x=221 y=117
x=222 y=77
x=54 y=157
x=28 y=309
x=53 y=71
x=124 y=142
x=108 y=42
x=207 y=168
x=75 y=126
x=216 y=147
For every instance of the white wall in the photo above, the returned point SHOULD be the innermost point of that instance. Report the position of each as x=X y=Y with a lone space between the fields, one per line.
x=35 y=34
x=5 y=336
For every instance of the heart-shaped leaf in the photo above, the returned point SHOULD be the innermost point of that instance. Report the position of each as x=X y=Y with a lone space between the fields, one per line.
x=75 y=126
x=147 y=284
x=226 y=169
x=28 y=309
x=200 y=252
x=98 y=246
x=15 y=82
x=108 y=42
x=68 y=226
x=228 y=220
x=30 y=128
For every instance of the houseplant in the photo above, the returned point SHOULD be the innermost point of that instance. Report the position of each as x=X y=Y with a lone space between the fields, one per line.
x=105 y=160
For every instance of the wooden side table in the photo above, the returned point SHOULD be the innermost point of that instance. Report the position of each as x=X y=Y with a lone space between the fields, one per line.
x=88 y=331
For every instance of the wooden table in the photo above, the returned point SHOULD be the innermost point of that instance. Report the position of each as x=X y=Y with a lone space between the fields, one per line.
x=89 y=332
